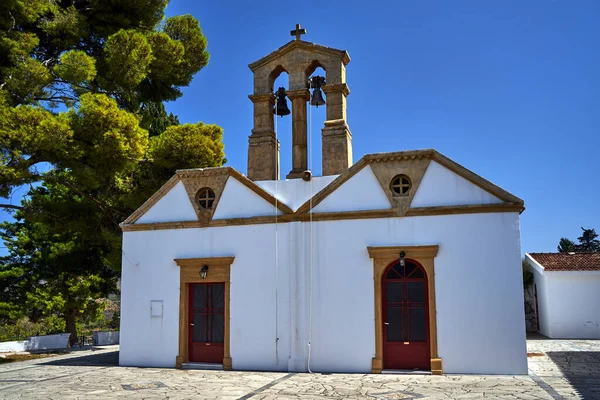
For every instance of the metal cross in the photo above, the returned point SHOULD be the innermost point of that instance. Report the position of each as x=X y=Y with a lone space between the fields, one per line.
x=298 y=31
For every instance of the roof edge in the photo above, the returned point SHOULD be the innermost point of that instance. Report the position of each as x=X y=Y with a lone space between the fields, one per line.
x=533 y=262
x=211 y=171
x=342 y=54
x=432 y=154
x=152 y=200
x=476 y=179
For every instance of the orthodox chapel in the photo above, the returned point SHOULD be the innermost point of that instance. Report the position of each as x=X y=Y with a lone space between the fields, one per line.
x=404 y=260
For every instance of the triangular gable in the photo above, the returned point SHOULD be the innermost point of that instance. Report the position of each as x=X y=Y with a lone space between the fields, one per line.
x=361 y=192
x=193 y=180
x=413 y=164
x=442 y=187
x=301 y=45
x=155 y=198
x=238 y=201
x=173 y=206
x=386 y=168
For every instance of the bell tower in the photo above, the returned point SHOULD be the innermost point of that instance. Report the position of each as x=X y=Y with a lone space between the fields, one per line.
x=299 y=59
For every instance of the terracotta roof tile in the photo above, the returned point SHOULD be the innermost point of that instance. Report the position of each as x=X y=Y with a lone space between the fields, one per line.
x=568 y=261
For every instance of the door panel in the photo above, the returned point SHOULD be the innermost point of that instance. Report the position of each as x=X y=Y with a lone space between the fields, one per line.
x=206 y=331
x=406 y=330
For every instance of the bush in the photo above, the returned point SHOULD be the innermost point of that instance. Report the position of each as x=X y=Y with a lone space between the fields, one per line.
x=24 y=327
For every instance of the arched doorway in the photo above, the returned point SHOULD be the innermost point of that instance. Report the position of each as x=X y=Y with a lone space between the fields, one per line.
x=405 y=316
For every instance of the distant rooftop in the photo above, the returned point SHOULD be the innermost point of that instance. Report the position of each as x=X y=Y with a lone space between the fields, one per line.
x=568 y=261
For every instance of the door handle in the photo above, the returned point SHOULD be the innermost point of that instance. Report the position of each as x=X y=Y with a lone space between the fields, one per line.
x=386 y=323
x=191 y=324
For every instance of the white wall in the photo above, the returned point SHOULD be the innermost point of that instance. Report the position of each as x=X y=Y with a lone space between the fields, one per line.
x=480 y=319
x=442 y=187
x=574 y=302
x=149 y=273
x=237 y=201
x=568 y=302
x=173 y=206
x=295 y=192
x=48 y=342
x=33 y=343
x=15 y=346
x=360 y=192
x=542 y=306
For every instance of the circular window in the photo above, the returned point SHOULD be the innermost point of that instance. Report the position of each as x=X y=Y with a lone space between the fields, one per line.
x=205 y=198
x=400 y=185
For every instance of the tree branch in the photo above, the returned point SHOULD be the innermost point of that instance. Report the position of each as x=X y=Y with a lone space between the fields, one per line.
x=62 y=98
x=12 y=206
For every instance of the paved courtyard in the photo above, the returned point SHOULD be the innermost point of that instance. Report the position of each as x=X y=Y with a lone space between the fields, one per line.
x=559 y=369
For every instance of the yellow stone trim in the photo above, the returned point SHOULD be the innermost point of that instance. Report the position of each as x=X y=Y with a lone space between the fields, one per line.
x=382 y=257
x=326 y=216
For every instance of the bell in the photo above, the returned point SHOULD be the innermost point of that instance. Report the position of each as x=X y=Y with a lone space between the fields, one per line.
x=281 y=108
x=315 y=83
x=317 y=98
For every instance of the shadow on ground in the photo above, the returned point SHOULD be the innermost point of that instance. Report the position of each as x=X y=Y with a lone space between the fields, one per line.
x=581 y=369
x=110 y=359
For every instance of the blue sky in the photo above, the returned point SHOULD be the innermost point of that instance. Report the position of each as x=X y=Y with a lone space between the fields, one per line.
x=509 y=89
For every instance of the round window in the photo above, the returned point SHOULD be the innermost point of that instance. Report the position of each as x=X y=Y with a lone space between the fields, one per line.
x=205 y=198
x=400 y=185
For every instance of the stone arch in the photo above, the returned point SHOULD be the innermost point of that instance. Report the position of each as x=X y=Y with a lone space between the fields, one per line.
x=278 y=70
x=312 y=67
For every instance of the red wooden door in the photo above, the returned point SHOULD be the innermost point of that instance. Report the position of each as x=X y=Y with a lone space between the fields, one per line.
x=406 y=317
x=207 y=321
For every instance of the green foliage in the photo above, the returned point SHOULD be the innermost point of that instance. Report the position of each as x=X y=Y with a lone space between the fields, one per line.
x=587 y=243
x=186 y=30
x=22 y=328
x=52 y=52
x=76 y=67
x=566 y=246
x=154 y=118
x=127 y=55
x=83 y=126
x=188 y=146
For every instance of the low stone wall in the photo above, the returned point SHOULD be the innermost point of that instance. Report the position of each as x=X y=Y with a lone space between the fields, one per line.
x=16 y=346
x=106 y=338
x=48 y=342
x=37 y=343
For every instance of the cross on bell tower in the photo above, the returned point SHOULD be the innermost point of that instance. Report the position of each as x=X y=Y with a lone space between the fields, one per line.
x=299 y=59
x=298 y=31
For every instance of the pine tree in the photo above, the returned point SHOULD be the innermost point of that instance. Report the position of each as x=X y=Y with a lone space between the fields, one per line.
x=83 y=126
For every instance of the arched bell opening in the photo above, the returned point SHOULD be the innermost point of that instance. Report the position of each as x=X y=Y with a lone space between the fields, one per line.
x=317 y=113
x=279 y=83
x=405 y=302
x=310 y=70
x=274 y=76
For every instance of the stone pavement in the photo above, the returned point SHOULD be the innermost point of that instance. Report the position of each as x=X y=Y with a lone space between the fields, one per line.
x=559 y=369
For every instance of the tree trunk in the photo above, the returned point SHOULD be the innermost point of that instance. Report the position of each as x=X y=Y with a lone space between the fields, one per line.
x=71 y=327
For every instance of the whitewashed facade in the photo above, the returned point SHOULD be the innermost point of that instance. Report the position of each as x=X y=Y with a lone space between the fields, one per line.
x=307 y=276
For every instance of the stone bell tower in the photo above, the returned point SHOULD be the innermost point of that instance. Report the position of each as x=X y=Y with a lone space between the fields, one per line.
x=299 y=59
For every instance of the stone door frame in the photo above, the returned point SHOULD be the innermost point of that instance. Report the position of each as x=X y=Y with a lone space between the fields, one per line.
x=382 y=257
x=219 y=271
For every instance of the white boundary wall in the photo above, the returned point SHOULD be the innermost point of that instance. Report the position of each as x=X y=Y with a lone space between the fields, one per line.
x=36 y=343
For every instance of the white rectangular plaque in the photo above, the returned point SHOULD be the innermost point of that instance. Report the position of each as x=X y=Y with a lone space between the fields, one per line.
x=156 y=308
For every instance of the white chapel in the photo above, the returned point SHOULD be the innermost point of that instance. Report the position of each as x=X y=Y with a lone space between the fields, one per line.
x=399 y=261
